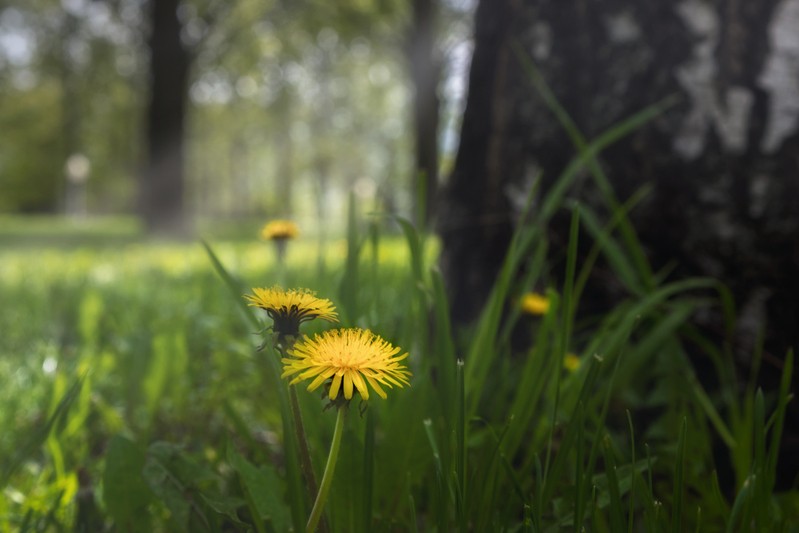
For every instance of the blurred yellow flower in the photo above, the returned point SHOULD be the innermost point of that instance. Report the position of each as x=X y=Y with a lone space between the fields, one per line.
x=571 y=362
x=535 y=303
x=289 y=308
x=351 y=358
x=279 y=230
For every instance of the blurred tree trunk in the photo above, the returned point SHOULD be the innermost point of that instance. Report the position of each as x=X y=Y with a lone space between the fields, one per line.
x=71 y=110
x=722 y=164
x=475 y=217
x=162 y=180
x=425 y=74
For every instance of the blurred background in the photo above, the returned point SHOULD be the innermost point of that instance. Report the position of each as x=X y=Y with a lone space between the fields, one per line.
x=644 y=143
x=179 y=112
x=183 y=116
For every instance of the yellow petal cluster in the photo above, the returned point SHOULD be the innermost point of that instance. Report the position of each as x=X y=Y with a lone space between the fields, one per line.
x=571 y=362
x=289 y=308
x=279 y=230
x=352 y=359
x=535 y=303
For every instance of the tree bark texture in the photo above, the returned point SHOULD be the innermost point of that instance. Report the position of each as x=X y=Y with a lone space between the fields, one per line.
x=722 y=163
x=475 y=218
x=162 y=180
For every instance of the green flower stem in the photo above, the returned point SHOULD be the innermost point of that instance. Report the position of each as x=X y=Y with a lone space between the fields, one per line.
x=327 y=477
x=306 y=466
x=302 y=440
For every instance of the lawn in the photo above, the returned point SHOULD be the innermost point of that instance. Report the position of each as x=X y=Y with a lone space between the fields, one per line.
x=135 y=397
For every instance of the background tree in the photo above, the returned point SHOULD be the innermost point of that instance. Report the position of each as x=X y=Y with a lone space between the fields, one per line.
x=721 y=164
x=425 y=75
x=250 y=104
x=162 y=180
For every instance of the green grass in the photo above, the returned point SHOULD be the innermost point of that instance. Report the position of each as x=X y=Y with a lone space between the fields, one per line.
x=134 y=398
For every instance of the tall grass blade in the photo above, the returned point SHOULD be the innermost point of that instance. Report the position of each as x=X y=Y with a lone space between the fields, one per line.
x=740 y=512
x=631 y=510
x=779 y=421
x=583 y=147
x=760 y=492
x=579 y=475
x=460 y=444
x=679 y=479
x=271 y=363
x=368 y=472
x=615 y=507
x=38 y=436
x=235 y=288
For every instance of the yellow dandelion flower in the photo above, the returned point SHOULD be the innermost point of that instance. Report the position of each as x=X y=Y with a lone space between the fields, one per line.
x=289 y=308
x=278 y=230
x=351 y=359
x=571 y=362
x=535 y=303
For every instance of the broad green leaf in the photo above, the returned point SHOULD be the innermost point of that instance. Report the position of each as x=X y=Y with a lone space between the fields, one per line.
x=264 y=490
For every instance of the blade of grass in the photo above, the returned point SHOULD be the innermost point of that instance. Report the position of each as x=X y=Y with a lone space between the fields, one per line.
x=582 y=146
x=579 y=475
x=41 y=433
x=613 y=252
x=593 y=254
x=631 y=510
x=460 y=445
x=760 y=493
x=444 y=349
x=679 y=479
x=710 y=411
x=600 y=422
x=535 y=376
x=779 y=421
x=444 y=491
x=368 y=472
x=272 y=366
x=556 y=472
x=740 y=512
x=235 y=288
x=615 y=507
x=565 y=329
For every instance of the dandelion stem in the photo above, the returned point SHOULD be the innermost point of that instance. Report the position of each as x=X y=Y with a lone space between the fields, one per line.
x=302 y=440
x=327 y=477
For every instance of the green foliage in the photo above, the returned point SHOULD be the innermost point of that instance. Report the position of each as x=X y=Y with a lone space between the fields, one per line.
x=126 y=493
x=286 y=101
x=136 y=398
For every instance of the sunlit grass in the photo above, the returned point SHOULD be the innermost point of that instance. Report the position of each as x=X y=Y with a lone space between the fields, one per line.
x=134 y=395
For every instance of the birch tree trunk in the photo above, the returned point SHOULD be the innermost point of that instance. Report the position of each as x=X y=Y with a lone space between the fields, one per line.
x=723 y=164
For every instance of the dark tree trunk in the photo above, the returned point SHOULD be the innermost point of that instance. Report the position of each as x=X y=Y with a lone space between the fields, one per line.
x=475 y=217
x=162 y=181
x=71 y=110
x=425 y=73
x=722 y=164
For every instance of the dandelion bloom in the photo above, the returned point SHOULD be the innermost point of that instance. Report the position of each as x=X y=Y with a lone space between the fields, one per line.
x=351 y=358
x=535 y=303
x=279 y=230
x=289 y=308
x=571 y=362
